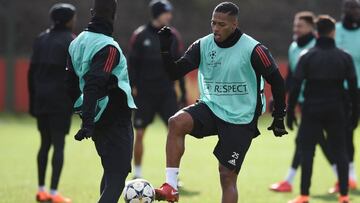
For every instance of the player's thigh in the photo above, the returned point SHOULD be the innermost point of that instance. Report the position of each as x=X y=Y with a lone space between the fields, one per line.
x=114 y=145
x=309 y=131
x=168 y=107
x=335 y=126
x=234 y=142
x=204 y=121
x=145 y=112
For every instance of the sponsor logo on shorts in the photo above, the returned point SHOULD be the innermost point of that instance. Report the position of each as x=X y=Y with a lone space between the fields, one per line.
x=235 y=157
x=232 y=162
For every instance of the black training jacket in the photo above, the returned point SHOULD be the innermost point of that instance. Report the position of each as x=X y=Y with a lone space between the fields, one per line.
x=325 y=68
x=46 y=76
x=145 y=64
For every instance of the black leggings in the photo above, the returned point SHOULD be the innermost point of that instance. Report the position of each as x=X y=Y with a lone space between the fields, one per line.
x=58 y=142
x=53 y=129
x=112 y=184
x=324 y=147
x=330 y=119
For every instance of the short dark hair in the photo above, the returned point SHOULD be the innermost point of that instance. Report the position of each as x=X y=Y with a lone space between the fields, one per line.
x=307 y=16
x=228 y=8
x=325 y=24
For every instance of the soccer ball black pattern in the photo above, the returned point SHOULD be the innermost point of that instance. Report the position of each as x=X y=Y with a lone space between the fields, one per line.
x=139 y=191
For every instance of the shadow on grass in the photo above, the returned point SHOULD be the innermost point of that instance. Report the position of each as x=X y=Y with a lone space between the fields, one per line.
x=355 y=192
x=325 y=197
x=188 y=193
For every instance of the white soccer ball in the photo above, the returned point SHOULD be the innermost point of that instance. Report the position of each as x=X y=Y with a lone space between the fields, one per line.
x=139 y=191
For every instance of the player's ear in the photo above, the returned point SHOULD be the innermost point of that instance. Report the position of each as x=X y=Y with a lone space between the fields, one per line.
x=316 y=34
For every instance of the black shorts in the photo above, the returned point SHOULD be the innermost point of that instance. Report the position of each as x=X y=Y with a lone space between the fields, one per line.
x=234 y=139
x=54 y=123
x=114 y=144
x=148 y=105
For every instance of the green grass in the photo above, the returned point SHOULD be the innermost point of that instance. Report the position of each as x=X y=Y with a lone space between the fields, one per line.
x=267 y=161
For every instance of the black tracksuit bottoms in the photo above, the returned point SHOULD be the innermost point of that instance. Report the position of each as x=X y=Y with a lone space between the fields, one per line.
x=316 y=118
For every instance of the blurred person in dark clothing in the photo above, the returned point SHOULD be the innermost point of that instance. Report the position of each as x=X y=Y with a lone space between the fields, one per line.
x=304 y=39
x=49 y=102
x=153 y=90
x=325 y=69
x=348 y=39
x=99 y=86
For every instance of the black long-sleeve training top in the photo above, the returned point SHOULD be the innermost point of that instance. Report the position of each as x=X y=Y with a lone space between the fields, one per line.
x=261 y=60
x=46 y=76
x=99 y=81
x=145 y=64
x=325 y=68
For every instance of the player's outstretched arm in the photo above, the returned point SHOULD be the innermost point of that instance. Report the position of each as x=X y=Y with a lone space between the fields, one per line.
x=176 y=69
x=264 y=64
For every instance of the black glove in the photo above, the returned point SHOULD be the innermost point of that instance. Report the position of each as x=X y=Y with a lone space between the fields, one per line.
x=84 y=133
x=166 y=38
x=291 y=120
x=278 y=127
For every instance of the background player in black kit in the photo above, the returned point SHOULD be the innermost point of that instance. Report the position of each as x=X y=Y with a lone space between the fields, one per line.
x=153 y=90
x=49 y=102
x=325 y=68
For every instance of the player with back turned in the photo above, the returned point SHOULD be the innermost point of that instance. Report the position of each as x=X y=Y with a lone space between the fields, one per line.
x=325 y=68
x=98 y=71
x=49 y=102
x=304 y=39
x=231 y=68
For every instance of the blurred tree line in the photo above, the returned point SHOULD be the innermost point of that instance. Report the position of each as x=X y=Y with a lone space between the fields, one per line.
x=269 y=21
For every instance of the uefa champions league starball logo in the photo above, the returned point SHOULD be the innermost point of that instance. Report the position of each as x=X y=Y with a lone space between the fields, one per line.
x=212 y=55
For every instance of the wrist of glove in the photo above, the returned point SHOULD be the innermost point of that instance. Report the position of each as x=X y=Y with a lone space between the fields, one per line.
x=165 y=37
x=85 y=132
x=278 y=127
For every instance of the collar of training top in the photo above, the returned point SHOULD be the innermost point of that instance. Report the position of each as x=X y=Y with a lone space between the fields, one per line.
x=304 y=40
x=100 y=25
x=231 y=40
x=325 y=42
x=153 y=28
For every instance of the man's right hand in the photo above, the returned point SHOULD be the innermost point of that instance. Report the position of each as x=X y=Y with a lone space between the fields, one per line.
x=83 y=133
x=165 y=37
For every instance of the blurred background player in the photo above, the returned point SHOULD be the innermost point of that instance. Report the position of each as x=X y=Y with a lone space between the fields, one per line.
x=153 y=90
x=325 y=68
x=49 y=101
x=304 y=39
x=231 y=66
x=348 y=39
x=98 y=70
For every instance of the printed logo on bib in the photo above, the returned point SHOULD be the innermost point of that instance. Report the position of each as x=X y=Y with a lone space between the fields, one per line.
x=225 y=88
x=213 y=63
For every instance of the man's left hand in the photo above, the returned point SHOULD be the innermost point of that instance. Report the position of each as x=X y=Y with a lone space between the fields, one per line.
x=278 y=127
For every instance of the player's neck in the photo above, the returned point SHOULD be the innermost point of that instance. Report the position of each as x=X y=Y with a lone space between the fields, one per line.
x=100 y=25
x=231 y=40
x=325 y=42
x=305 y=39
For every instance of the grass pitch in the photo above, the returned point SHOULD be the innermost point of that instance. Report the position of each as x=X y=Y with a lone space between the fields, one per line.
x=267 y=161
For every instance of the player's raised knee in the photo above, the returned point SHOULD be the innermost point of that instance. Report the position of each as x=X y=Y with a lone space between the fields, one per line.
x=180 y=121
